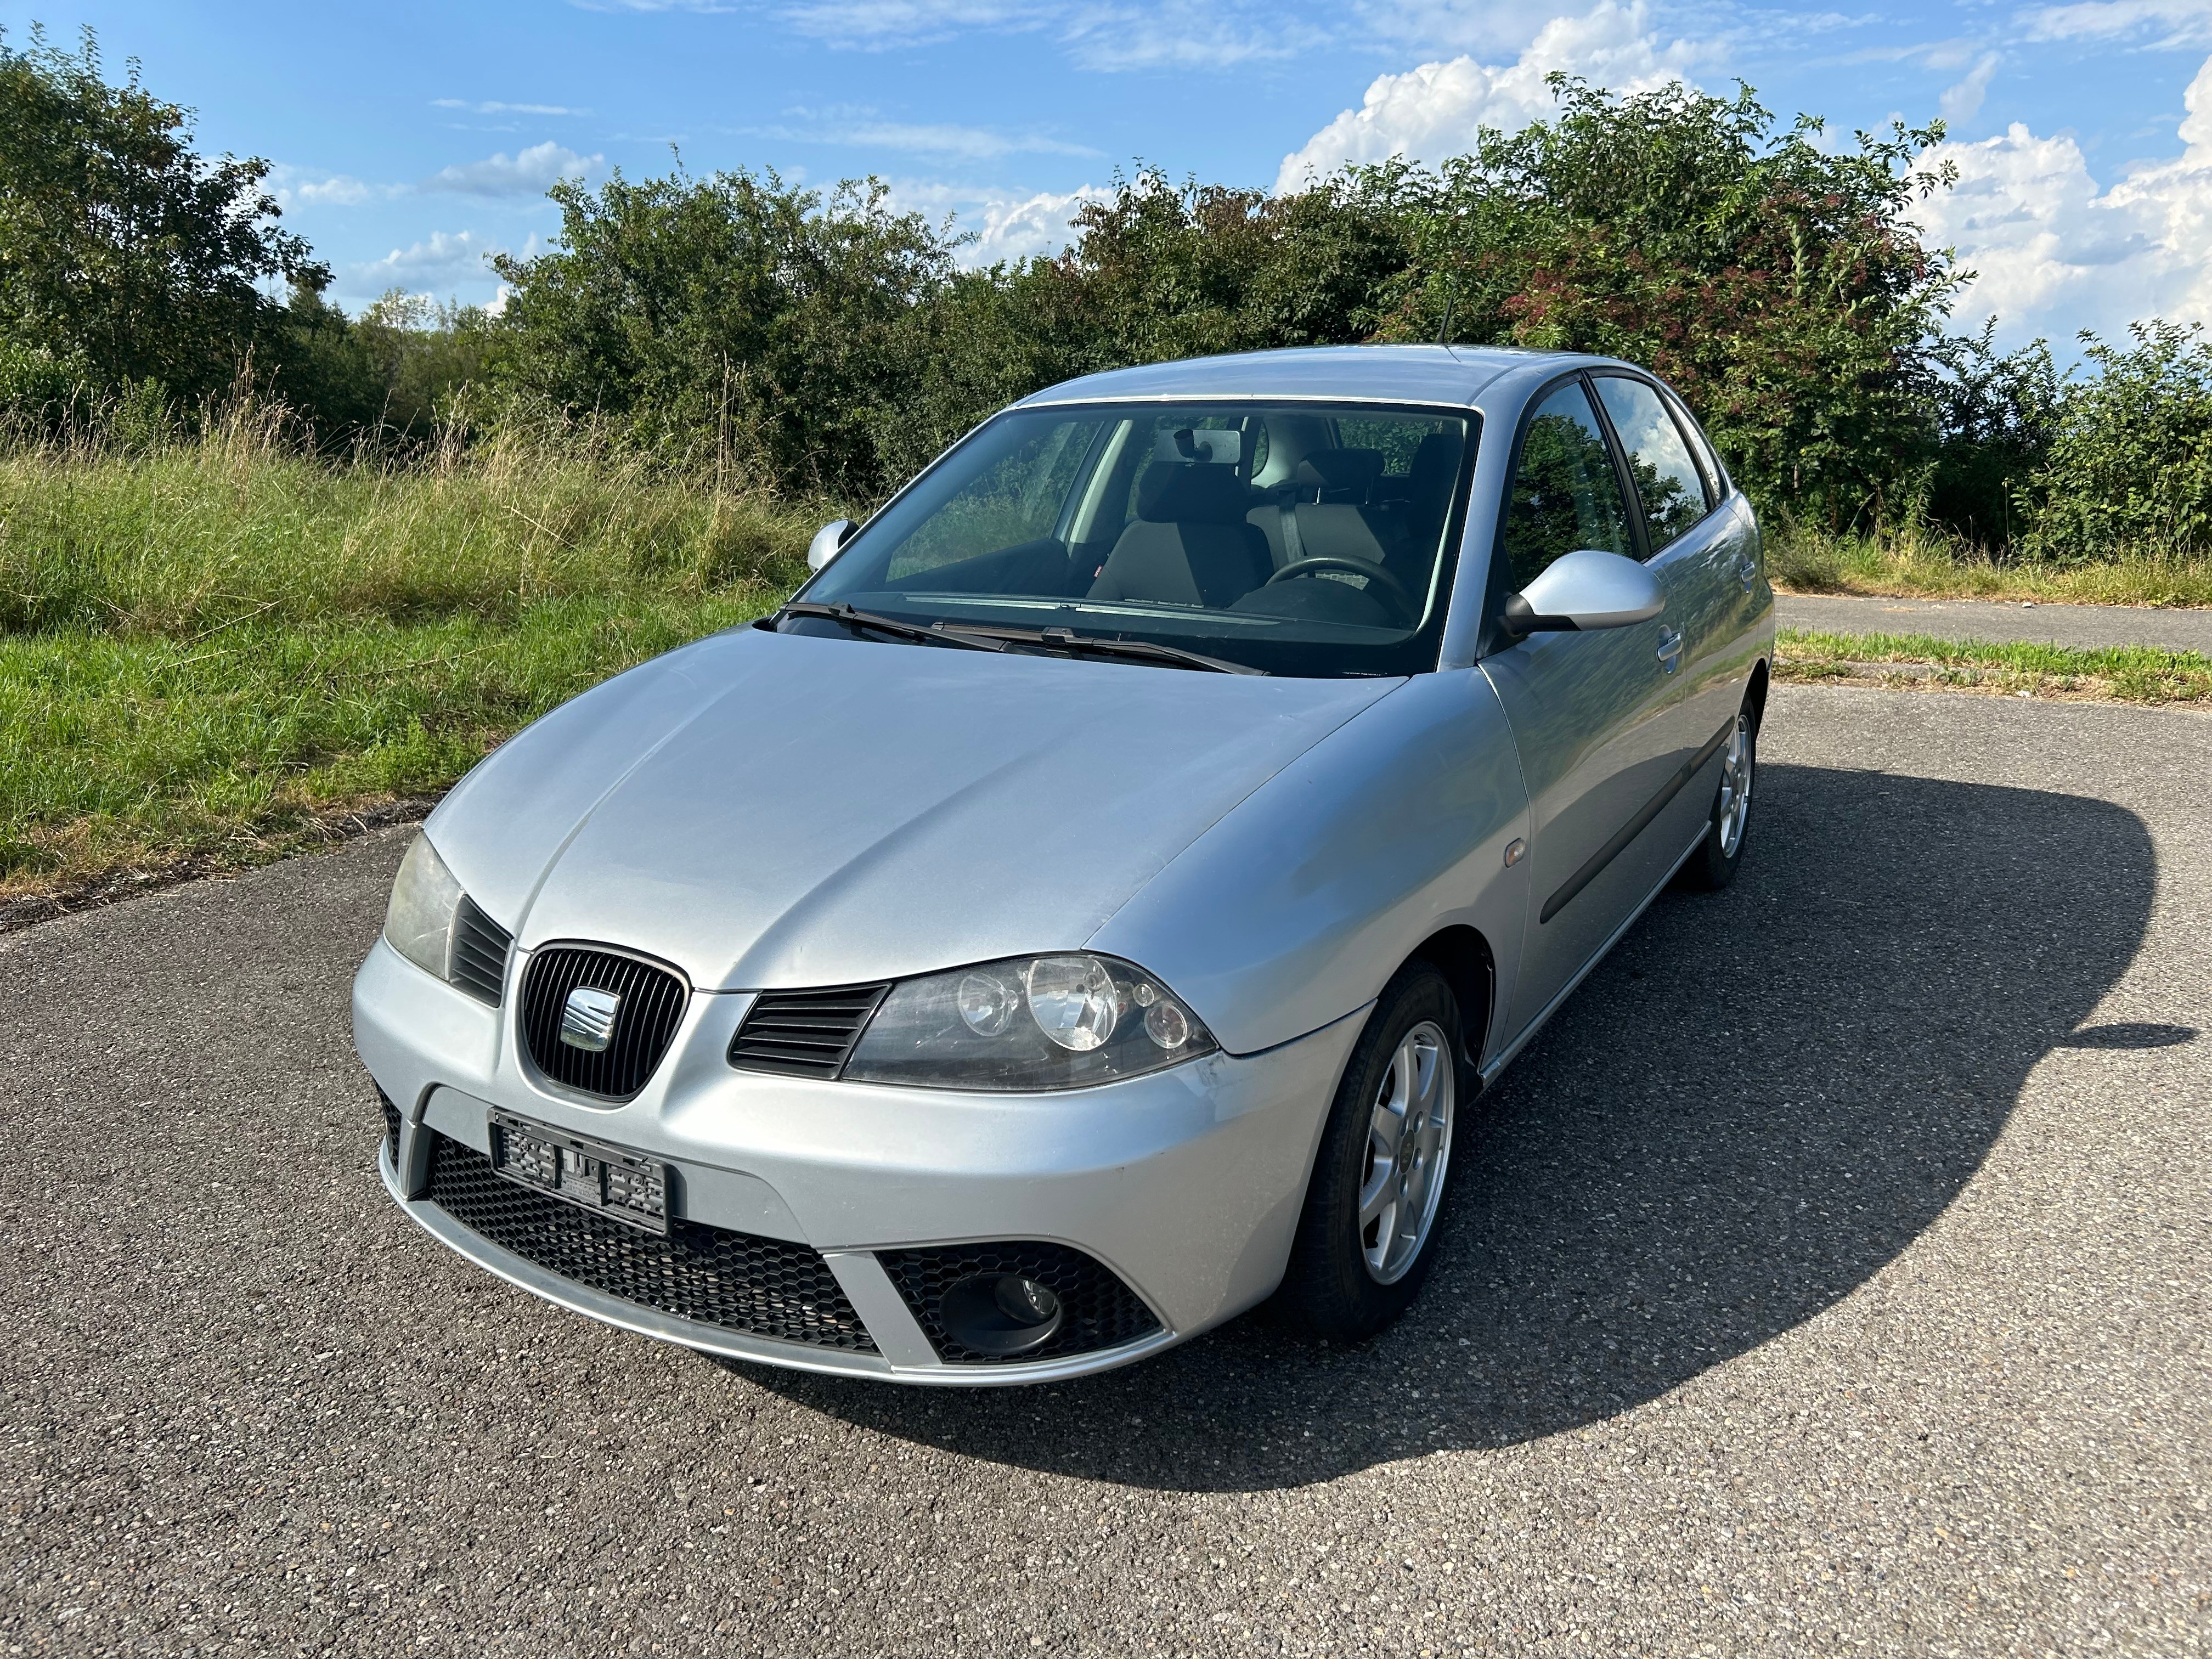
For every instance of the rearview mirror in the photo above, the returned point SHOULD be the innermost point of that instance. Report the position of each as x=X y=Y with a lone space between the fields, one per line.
x=827 y=540
x=1584 y=591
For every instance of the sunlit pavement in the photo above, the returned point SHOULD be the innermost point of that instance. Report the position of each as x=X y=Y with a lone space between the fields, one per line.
x=1832 y=1274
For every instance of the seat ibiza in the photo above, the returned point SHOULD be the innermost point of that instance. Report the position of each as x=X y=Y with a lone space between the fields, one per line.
x=1085 y=910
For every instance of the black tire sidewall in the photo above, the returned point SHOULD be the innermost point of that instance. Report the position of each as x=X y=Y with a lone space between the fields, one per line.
x=1710 y=867
x=1327 y=1289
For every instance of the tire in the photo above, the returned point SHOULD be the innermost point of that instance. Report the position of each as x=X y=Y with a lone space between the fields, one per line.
x=1345 y=1280
x=1713 y=866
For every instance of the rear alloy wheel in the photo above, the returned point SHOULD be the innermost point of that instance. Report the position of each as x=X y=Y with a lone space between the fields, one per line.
x=1712 y=866
x=1362 y=1244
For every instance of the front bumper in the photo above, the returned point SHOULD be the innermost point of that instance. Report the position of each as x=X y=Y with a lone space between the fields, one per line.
x=1186 y=1184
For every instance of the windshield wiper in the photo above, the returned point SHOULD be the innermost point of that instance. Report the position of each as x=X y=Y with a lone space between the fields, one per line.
x=863 y=621
x=1077 y=645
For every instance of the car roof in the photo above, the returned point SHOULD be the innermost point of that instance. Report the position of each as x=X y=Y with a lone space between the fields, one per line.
x=1452 y=375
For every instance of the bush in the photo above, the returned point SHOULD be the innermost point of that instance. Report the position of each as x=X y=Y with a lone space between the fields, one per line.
x=2129 y=457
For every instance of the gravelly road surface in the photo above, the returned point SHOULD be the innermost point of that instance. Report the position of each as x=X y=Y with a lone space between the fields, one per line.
x=1832 y=1276
x=2083 y=626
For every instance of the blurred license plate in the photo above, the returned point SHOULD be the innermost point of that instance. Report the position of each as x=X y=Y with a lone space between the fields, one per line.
x=619 y=1185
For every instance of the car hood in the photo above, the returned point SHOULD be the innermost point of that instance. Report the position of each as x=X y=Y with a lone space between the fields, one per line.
x=766 y=810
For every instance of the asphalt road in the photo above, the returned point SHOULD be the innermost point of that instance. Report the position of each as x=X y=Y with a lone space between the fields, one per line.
x=2083 y=626
x=1832 y=1276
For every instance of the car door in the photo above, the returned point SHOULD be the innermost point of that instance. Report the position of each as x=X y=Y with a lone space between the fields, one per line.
x=1696 y=548
x=1595 y=716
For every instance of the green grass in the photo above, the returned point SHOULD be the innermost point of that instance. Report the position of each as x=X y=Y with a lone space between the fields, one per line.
x=2132 y=673
x=206 y=654
x=1929 y=566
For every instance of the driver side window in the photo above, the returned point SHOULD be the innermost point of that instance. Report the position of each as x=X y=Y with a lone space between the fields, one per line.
x=1566 y=493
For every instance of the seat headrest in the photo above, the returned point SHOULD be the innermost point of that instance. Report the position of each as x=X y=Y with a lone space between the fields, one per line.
x=1436 y=464
x=1347 y=471
x=1204 y=494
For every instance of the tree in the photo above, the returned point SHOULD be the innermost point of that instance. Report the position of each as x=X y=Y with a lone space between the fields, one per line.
x=124 y=255
x=694 y=309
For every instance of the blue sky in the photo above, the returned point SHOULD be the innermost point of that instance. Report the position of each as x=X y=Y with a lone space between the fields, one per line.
x=411 y=138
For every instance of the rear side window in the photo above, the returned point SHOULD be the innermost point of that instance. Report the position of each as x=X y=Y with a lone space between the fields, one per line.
x=1709 y=462
x=1566 y=492
x=1668 y=479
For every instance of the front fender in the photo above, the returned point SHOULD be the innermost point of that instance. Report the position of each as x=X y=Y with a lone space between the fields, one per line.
x=1298 y=905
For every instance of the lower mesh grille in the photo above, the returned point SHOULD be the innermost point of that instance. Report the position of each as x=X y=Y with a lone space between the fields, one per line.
x=391 y=1126
x=1102 y=1311
x=761 y=1286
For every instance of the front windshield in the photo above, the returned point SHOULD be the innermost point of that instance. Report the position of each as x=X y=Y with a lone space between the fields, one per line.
x=1298 y=539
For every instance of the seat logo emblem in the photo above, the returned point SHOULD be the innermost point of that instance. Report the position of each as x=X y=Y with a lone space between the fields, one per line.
x=588 y=1020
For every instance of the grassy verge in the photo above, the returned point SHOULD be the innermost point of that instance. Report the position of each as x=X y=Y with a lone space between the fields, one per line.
x=2116 y=674
x=1920 y=565
x=207 y=655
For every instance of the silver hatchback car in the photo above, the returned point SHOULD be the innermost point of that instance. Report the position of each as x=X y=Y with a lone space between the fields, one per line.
x=824 y=995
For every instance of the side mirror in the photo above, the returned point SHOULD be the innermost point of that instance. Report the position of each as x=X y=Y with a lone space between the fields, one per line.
x=827 y=540
x=1584 y=591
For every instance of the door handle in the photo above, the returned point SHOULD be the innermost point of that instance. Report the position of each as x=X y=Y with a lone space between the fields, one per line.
x=1746 y=571
x=1670 y=650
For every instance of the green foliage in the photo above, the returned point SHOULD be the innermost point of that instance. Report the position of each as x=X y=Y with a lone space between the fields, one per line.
x=2128 y=460
x=1994 y=418
x=124 y=256
x=729 y=311
x=1776 y=284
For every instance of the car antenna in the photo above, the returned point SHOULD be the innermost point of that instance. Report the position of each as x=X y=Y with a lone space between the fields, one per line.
x=1452 y=294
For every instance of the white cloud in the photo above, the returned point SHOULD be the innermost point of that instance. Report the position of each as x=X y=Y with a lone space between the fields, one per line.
x=1015 y=228
x=847 y=125
x=906 y=22
x=493 y=107
x=531 y=171
x=2055 y=253
x=1432 y=111
x=1472 y=26
x=1962 y=101
x=2169 y=22
x=304 y=187
x=1221 y=35
x=1007 y=224
x=442 y=257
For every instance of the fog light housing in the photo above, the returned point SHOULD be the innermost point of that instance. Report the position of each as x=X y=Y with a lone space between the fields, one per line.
x=1001 y=1314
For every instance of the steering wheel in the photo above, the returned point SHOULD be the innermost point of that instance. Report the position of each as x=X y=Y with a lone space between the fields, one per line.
x=1376 y=575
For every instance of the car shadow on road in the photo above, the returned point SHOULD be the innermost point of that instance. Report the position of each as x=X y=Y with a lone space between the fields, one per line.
x=1755 y=1104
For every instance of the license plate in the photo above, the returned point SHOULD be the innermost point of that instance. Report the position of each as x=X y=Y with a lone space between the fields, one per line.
x=590 y=1174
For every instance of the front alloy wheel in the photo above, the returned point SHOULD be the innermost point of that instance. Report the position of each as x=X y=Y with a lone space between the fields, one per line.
x=1408 y=1144
x=1365 y=1238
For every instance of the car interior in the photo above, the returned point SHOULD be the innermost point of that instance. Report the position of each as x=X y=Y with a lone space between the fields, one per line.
x=1320 y=516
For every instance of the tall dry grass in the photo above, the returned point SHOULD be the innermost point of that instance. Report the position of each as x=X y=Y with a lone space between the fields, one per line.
x=1920 y=562
x=213 y=640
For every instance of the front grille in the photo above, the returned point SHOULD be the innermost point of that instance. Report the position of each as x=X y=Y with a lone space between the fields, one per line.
x=1101 y=1312
x=653 y=999
x=761 y=1286
x=803 y=1033
x=390 y=1127
x=480 y=947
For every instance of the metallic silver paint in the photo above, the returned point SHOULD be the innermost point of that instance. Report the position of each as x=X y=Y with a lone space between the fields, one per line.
x=768 y=811
x=827 y=541
x=1595 y=590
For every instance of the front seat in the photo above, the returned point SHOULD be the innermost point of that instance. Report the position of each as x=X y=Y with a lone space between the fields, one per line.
x=1189 y=543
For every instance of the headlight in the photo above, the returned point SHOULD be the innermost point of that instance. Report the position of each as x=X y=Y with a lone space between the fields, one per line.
x=419 y=924
x=1029 y=1023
